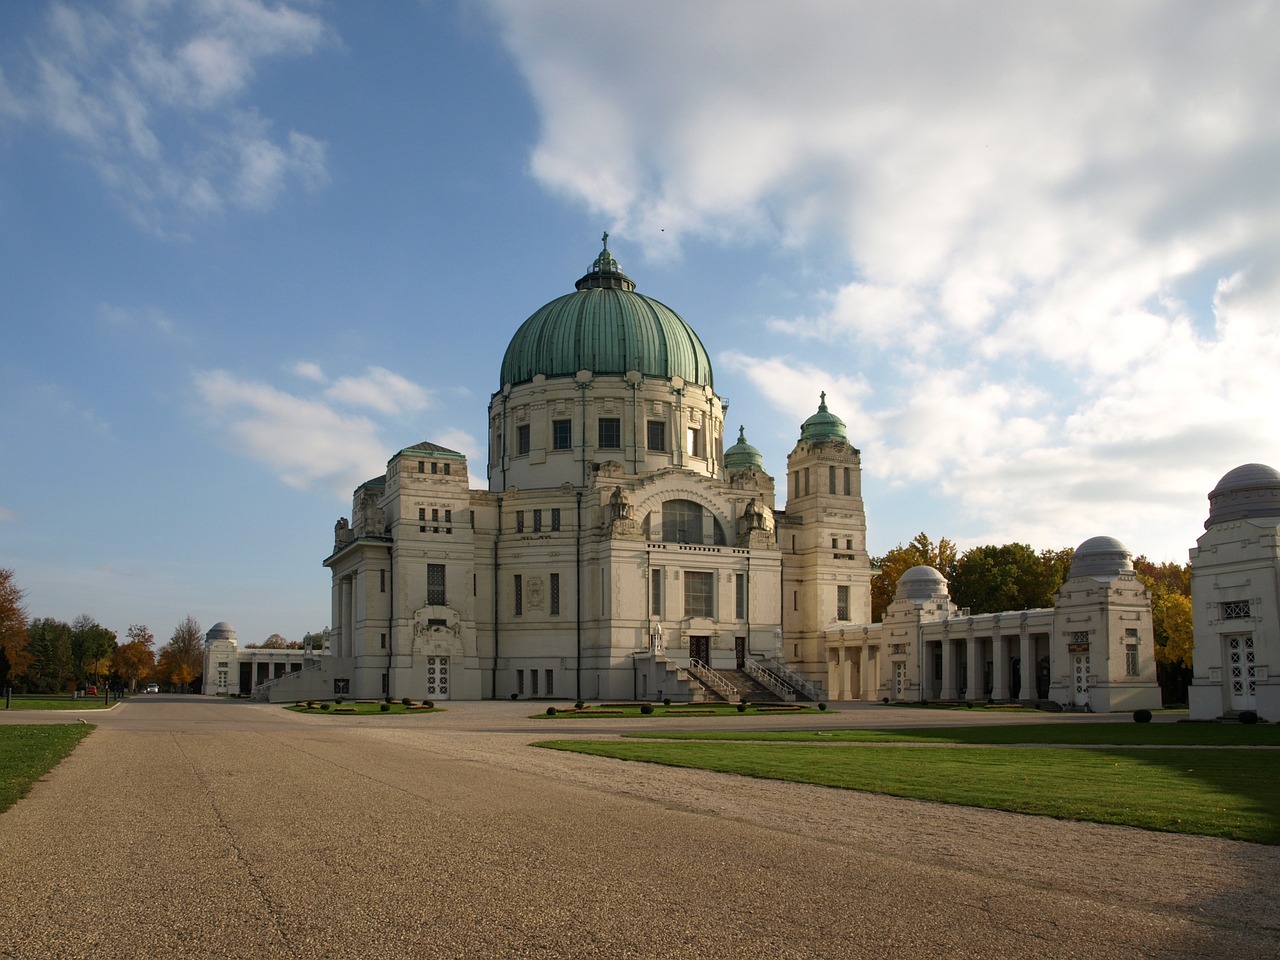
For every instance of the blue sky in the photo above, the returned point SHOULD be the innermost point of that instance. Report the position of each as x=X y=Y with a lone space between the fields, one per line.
x=251 y=249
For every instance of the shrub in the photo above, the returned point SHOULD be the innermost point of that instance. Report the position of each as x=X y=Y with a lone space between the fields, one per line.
x=742 y=707
x=666 y=701
x=406 y=701
x=324 y=706
x=430 y=705
x=968 y=704
x=579 y=705
x=923 y=702
x=551 y=711
x=1249 y=716
x=1142 y=716
x=338 y=700
x=886 y=701
x=822 y=706
x=647 y=708
x=515 y=696
x=384 y=707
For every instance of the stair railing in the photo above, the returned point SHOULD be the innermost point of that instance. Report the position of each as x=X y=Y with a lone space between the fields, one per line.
x=767 y=679
x=802 y=687
x=712 y=679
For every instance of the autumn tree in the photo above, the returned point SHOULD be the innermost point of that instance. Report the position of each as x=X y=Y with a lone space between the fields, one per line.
x=181 y=660
x=14 y=658
x=92 y=646
x=992 y=578
x=921 y=551
x=135 y=659
x=273 y=642
x=1170 y=587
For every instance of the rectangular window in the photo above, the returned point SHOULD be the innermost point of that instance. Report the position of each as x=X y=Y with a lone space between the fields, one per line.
x=537 y=521
x=657 y=436
x=835 y=544
x=520 y=682
x=848 y=544
x=518 y=594
x=550 y=684
x=555 y=518
x=522 y=440
x=831 y=479
x=422 y=519
x=435 y=518
x=446 y=469
x=382 y=640
x=533 y=683
x=435 y=467
x=1235 y=610
x=561 y=435
x=795 y=483
x=448 y=519
x=422 y=467
x=655 y=592
x=848 y=485
x=610 y=433
x=519 y=521
x=694 y=445
x=842 y=602
x=382 y=581
x=384 y=685
x=699 y=594
x=555 y=594
x=740 y=595
x=806 y=481
x=1131 y=660
x=435 y=584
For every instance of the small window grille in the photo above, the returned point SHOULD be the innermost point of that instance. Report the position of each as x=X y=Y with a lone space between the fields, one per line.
x=1235 y=610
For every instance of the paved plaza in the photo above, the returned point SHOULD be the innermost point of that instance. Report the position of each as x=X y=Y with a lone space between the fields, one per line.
x=195 y=827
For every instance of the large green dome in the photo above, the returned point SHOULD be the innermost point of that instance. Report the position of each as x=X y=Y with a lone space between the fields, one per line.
x=607 y=328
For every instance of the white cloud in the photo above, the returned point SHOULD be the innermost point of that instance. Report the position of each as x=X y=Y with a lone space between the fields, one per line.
x=381 y=390
x=312 y=440
x=1032 y=203
x=151 y=93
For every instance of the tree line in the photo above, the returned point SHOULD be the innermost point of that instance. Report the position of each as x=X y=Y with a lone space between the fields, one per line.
x=1014 y=576
x=44 y=655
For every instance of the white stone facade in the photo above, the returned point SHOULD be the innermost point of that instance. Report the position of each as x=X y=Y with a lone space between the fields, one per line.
x=232 y=670
x=1235 y=597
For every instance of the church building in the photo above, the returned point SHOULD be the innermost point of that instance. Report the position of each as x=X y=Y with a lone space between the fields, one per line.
x=622 y=551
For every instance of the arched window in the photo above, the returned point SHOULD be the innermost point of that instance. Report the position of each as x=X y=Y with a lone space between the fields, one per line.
x=684 y=521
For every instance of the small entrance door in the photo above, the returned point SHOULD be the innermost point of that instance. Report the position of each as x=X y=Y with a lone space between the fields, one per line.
x=899 y=680
x=1240 y=664
x=700 y=649
x=1081 y=697
x=438 y=678
x=740 y=651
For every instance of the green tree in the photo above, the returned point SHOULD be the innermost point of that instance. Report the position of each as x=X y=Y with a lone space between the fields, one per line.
x=181 y=660
x=992 y=578
x=318 y=640
x=92 y=646
x=13 y=629
x=921 y=551
x=49 y=644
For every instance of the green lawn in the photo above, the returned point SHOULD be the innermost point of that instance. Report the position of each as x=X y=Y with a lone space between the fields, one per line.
x=1097 y=734
x=50 y=702
x=1223 y=792
x=28 y=752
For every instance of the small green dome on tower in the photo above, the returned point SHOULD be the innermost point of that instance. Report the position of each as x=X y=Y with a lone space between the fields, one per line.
x=823 y=425
x=607 y=328
x=742 y=455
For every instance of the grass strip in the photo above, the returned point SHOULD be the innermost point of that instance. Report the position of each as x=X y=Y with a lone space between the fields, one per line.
x=58 y=703
x=29 y=751
x=1221 y=793
x=351 y=708
x=1086 y=734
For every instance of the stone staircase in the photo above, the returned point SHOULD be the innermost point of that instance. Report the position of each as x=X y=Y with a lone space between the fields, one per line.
x=745 y=688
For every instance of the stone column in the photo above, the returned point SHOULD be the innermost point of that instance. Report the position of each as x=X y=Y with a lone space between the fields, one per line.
x=1028 y=667
x=973 y=685
x=348 y=624
x=948 y=691
x=1000 y=668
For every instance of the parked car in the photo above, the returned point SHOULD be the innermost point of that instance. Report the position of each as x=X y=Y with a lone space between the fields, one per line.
x=90 y=691
x=153 y=688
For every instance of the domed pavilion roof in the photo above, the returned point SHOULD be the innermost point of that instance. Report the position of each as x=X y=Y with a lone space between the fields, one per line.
x=607 y=328
x=1250 y=490
x=920 y=583
x=1100 y=557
